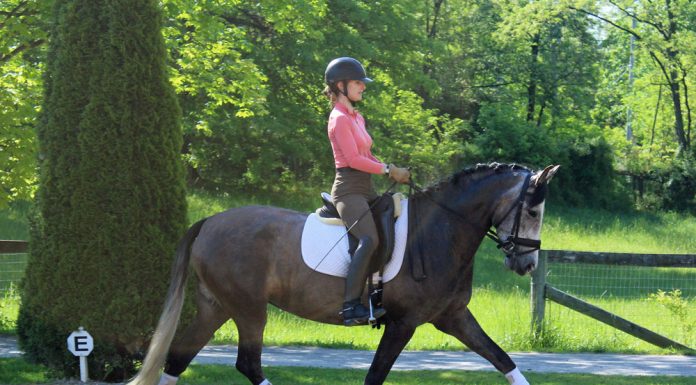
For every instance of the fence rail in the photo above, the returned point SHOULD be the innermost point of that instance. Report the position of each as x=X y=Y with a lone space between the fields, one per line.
x=541 y=290
x=627 y=259
x=11 y=247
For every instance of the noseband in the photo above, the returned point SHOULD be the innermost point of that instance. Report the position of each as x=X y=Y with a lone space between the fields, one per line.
x=510 y=244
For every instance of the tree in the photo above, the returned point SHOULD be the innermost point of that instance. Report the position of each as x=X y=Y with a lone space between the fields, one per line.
x=664 y=29
x=22 y=36
x=111 y=202
x=249 y=78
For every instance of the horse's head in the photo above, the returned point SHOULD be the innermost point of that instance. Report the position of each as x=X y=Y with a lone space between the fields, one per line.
x=518 y=220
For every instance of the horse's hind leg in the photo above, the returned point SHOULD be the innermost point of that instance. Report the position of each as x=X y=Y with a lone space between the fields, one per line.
x=461 y=324
x=209 y=317
x=251 y=322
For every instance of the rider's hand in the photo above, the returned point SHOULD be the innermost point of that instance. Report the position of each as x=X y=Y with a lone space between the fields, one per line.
x=400 y=175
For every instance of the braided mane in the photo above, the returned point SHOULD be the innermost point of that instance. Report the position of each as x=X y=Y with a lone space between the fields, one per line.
x=474 y=173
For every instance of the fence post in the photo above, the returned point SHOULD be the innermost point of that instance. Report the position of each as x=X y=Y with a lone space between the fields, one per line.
x=538 y=292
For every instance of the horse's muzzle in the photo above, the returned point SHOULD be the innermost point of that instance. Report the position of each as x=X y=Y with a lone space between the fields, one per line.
x=521 y=264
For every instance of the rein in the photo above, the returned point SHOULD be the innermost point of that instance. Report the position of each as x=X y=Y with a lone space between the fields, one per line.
x=510 y=244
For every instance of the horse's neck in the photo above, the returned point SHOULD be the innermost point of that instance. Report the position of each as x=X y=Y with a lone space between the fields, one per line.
x=469 y=209
x=474 y=204
x=451 y=229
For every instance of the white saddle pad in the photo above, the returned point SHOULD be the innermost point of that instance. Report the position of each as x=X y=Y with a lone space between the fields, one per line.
x=320 y=254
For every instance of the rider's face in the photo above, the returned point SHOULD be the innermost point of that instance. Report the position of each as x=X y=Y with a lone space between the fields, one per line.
x=355 y=90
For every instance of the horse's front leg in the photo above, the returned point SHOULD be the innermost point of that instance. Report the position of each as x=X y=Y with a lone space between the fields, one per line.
x=396 y=336
x=461 y=324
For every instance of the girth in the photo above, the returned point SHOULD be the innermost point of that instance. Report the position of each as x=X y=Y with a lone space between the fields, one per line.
x=384 y=213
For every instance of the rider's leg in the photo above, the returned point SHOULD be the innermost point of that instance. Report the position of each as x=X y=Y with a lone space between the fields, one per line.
x=354 y=211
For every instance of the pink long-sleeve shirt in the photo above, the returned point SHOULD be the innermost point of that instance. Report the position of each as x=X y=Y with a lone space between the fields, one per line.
x=350 y=141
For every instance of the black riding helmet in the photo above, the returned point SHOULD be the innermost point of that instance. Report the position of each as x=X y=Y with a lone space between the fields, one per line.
x=343 y=69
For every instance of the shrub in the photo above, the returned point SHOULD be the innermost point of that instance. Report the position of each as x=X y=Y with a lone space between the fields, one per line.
x=111 y=202
x=679 y=190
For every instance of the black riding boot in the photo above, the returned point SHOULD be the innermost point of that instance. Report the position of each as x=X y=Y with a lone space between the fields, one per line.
x=355 y=313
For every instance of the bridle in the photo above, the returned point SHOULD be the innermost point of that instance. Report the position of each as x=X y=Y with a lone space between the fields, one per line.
x=509 y=245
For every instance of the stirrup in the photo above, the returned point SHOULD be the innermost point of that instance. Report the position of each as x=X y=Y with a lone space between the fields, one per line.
x=354 y=314
x=374 y=313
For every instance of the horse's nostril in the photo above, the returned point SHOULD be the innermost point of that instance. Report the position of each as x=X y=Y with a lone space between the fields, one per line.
x=531 y=267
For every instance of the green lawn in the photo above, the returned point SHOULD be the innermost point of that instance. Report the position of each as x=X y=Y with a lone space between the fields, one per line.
x=17 y=371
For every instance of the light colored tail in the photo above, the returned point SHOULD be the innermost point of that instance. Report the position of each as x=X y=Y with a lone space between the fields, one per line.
x=166 y=327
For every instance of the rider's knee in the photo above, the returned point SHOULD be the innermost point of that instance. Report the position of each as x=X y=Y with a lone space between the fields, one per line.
x=369 y=243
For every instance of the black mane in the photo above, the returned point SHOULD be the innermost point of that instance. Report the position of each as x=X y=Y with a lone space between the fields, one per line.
x=476 y=172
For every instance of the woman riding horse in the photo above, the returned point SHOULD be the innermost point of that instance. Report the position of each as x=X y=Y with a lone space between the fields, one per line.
x=247 y=257
x=352 y=190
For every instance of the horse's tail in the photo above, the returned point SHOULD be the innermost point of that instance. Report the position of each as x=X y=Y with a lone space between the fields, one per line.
x=166 y=327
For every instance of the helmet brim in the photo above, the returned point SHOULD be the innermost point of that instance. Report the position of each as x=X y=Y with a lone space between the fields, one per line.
x=367 y=80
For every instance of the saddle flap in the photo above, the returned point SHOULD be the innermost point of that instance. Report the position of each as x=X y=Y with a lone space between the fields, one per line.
x=325 y=248
x=383 y=215
x=385 y=210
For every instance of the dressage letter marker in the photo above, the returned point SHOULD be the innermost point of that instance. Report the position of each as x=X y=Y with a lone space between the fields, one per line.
x=80 y=344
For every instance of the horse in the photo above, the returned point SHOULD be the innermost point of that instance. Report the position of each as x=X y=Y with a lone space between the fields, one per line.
x=248 y=257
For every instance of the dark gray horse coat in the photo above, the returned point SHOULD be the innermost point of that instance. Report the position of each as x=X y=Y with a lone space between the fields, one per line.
x=248 y=257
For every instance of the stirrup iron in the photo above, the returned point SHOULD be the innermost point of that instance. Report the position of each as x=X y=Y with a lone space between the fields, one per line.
x=372 y=320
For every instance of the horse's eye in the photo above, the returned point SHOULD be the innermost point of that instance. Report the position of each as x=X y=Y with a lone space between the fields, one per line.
x=533 y=213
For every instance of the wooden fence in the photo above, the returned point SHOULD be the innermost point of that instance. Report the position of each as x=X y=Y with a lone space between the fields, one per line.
x=541 y=291
x=12 y=266
x=11 y=247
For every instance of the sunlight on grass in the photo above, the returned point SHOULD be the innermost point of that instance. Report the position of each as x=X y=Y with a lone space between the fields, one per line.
x=595 y=230
x=9 y=308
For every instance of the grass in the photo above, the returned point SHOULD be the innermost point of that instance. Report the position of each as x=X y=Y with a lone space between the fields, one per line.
x=567 y=331
x=14 y=224
x=501 y=298
x=637 y=232
x=9 y=307
x=202 y=204
x=17 y=371
x=284 y=375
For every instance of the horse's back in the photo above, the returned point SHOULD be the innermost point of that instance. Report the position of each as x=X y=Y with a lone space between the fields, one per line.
x=243 y=241
x=248 y=229
x=254 y=253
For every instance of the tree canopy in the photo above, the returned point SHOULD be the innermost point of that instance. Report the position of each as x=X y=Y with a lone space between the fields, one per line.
x=457 y=82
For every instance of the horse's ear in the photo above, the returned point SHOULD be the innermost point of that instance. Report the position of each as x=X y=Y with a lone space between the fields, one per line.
x=545 y=176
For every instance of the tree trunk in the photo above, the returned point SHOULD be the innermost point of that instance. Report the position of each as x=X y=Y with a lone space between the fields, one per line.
x=682 y=138
x=531 y=87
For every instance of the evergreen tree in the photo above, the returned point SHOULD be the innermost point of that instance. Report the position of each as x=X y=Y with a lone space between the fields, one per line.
x=111 y=202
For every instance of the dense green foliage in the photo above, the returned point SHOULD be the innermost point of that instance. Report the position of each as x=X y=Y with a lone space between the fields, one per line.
x=111 y=203
x=457 y=82
x=22 y=32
